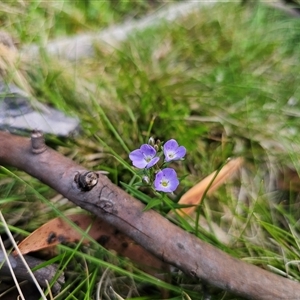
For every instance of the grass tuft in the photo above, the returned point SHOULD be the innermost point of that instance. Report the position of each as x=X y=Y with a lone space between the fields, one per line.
x=223 y=81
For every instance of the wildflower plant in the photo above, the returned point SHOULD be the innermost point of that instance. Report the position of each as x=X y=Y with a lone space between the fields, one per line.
x=153 y=160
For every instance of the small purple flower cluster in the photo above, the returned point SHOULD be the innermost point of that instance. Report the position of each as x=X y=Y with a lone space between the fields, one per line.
x=149 y=155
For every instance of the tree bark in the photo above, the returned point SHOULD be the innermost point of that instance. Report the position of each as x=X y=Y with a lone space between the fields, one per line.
x=95 y=193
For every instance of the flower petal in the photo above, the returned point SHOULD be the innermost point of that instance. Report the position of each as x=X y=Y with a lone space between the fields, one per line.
x=172 y=151
x=148 y=150
x=152 y=162
x=158 y=182
x=173 y=185
x=166 y=180
x=180 y=152
x=144 y=157
x=170 y=145
x=138 y=159
x=136 y=154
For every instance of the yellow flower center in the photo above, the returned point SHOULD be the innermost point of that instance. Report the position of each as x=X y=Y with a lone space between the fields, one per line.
x=164 y=183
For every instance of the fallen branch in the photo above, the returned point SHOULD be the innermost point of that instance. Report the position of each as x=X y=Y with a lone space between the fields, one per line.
x=95 y=193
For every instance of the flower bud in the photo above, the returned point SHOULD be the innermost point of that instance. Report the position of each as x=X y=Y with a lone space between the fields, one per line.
x=146 y=179
x=151 y=141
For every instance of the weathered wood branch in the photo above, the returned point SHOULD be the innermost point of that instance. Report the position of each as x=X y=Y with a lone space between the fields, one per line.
x=95 y=193
x=41 y=275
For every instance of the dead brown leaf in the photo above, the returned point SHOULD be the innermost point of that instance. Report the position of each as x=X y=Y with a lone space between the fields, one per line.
x=214 y=180
x=58 y=231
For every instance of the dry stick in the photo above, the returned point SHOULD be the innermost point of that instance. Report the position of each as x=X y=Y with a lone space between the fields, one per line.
x=21 y=267
x=95 y=193
x=22 y=257
x=10 y=268
x=42 y=275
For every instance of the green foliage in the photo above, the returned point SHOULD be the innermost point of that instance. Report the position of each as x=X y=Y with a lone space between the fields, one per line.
x=38 y=21
x=223 y=82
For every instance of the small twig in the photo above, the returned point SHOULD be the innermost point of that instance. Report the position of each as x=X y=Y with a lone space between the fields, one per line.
x=42 y=275
x=11 y=269
x=21 y=257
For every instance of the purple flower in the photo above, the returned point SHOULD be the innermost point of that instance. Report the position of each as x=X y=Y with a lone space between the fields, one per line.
x=144 y=157
x=172 y=151
x=166 y=180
